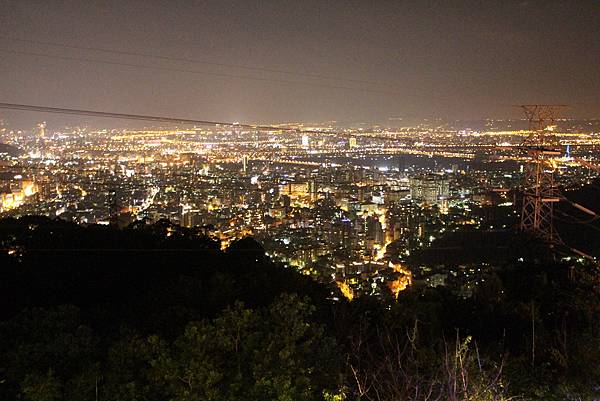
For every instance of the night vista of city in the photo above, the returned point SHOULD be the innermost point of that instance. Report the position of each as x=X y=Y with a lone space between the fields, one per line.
x=313 y=200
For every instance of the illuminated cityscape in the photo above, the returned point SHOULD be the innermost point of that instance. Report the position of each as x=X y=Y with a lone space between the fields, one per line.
x=300 y=200
x=345 y=206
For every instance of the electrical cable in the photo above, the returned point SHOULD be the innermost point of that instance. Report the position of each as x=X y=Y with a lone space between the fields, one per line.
x=188 y=71
x=191 y=60
x=574 y=220
x=104 y=114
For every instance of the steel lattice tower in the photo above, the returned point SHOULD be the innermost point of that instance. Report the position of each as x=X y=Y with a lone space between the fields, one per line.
x=539 y=189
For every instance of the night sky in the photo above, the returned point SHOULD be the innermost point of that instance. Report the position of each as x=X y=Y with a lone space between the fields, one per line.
x=275 y=61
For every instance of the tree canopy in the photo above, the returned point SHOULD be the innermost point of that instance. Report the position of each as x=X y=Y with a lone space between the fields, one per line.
x=159 y=312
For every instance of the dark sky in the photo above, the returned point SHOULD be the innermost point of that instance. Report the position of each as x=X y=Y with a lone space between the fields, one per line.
x=422 y=59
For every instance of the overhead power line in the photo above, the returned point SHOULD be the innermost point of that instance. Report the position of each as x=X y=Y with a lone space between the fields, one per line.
x=209 y=73
x=195 y=61
x=104 y=114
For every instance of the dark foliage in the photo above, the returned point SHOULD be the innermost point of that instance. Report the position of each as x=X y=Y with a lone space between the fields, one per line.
x=155 y=312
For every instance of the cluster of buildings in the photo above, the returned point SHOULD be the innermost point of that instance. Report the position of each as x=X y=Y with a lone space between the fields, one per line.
x=14 y=191
x=349 y=209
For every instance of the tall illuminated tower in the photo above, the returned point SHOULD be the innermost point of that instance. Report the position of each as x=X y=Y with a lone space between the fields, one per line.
x=245 y=164
x=41 y=130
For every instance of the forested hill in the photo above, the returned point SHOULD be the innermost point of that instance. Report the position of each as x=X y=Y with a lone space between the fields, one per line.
x=137 y=273
x=158 y=312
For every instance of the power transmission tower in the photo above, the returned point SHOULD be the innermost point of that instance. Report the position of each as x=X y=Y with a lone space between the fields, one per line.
x=539 y=189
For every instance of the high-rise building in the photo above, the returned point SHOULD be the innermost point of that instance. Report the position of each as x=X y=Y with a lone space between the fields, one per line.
x=41 y=130
x=395 y=196
x=374 y=230
x=431 y=189
x=295 y=189
x=39 y=135
x=313 y=190
x=287 y=202
x=245 y=164
x=190 y=217
x=305 y=141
